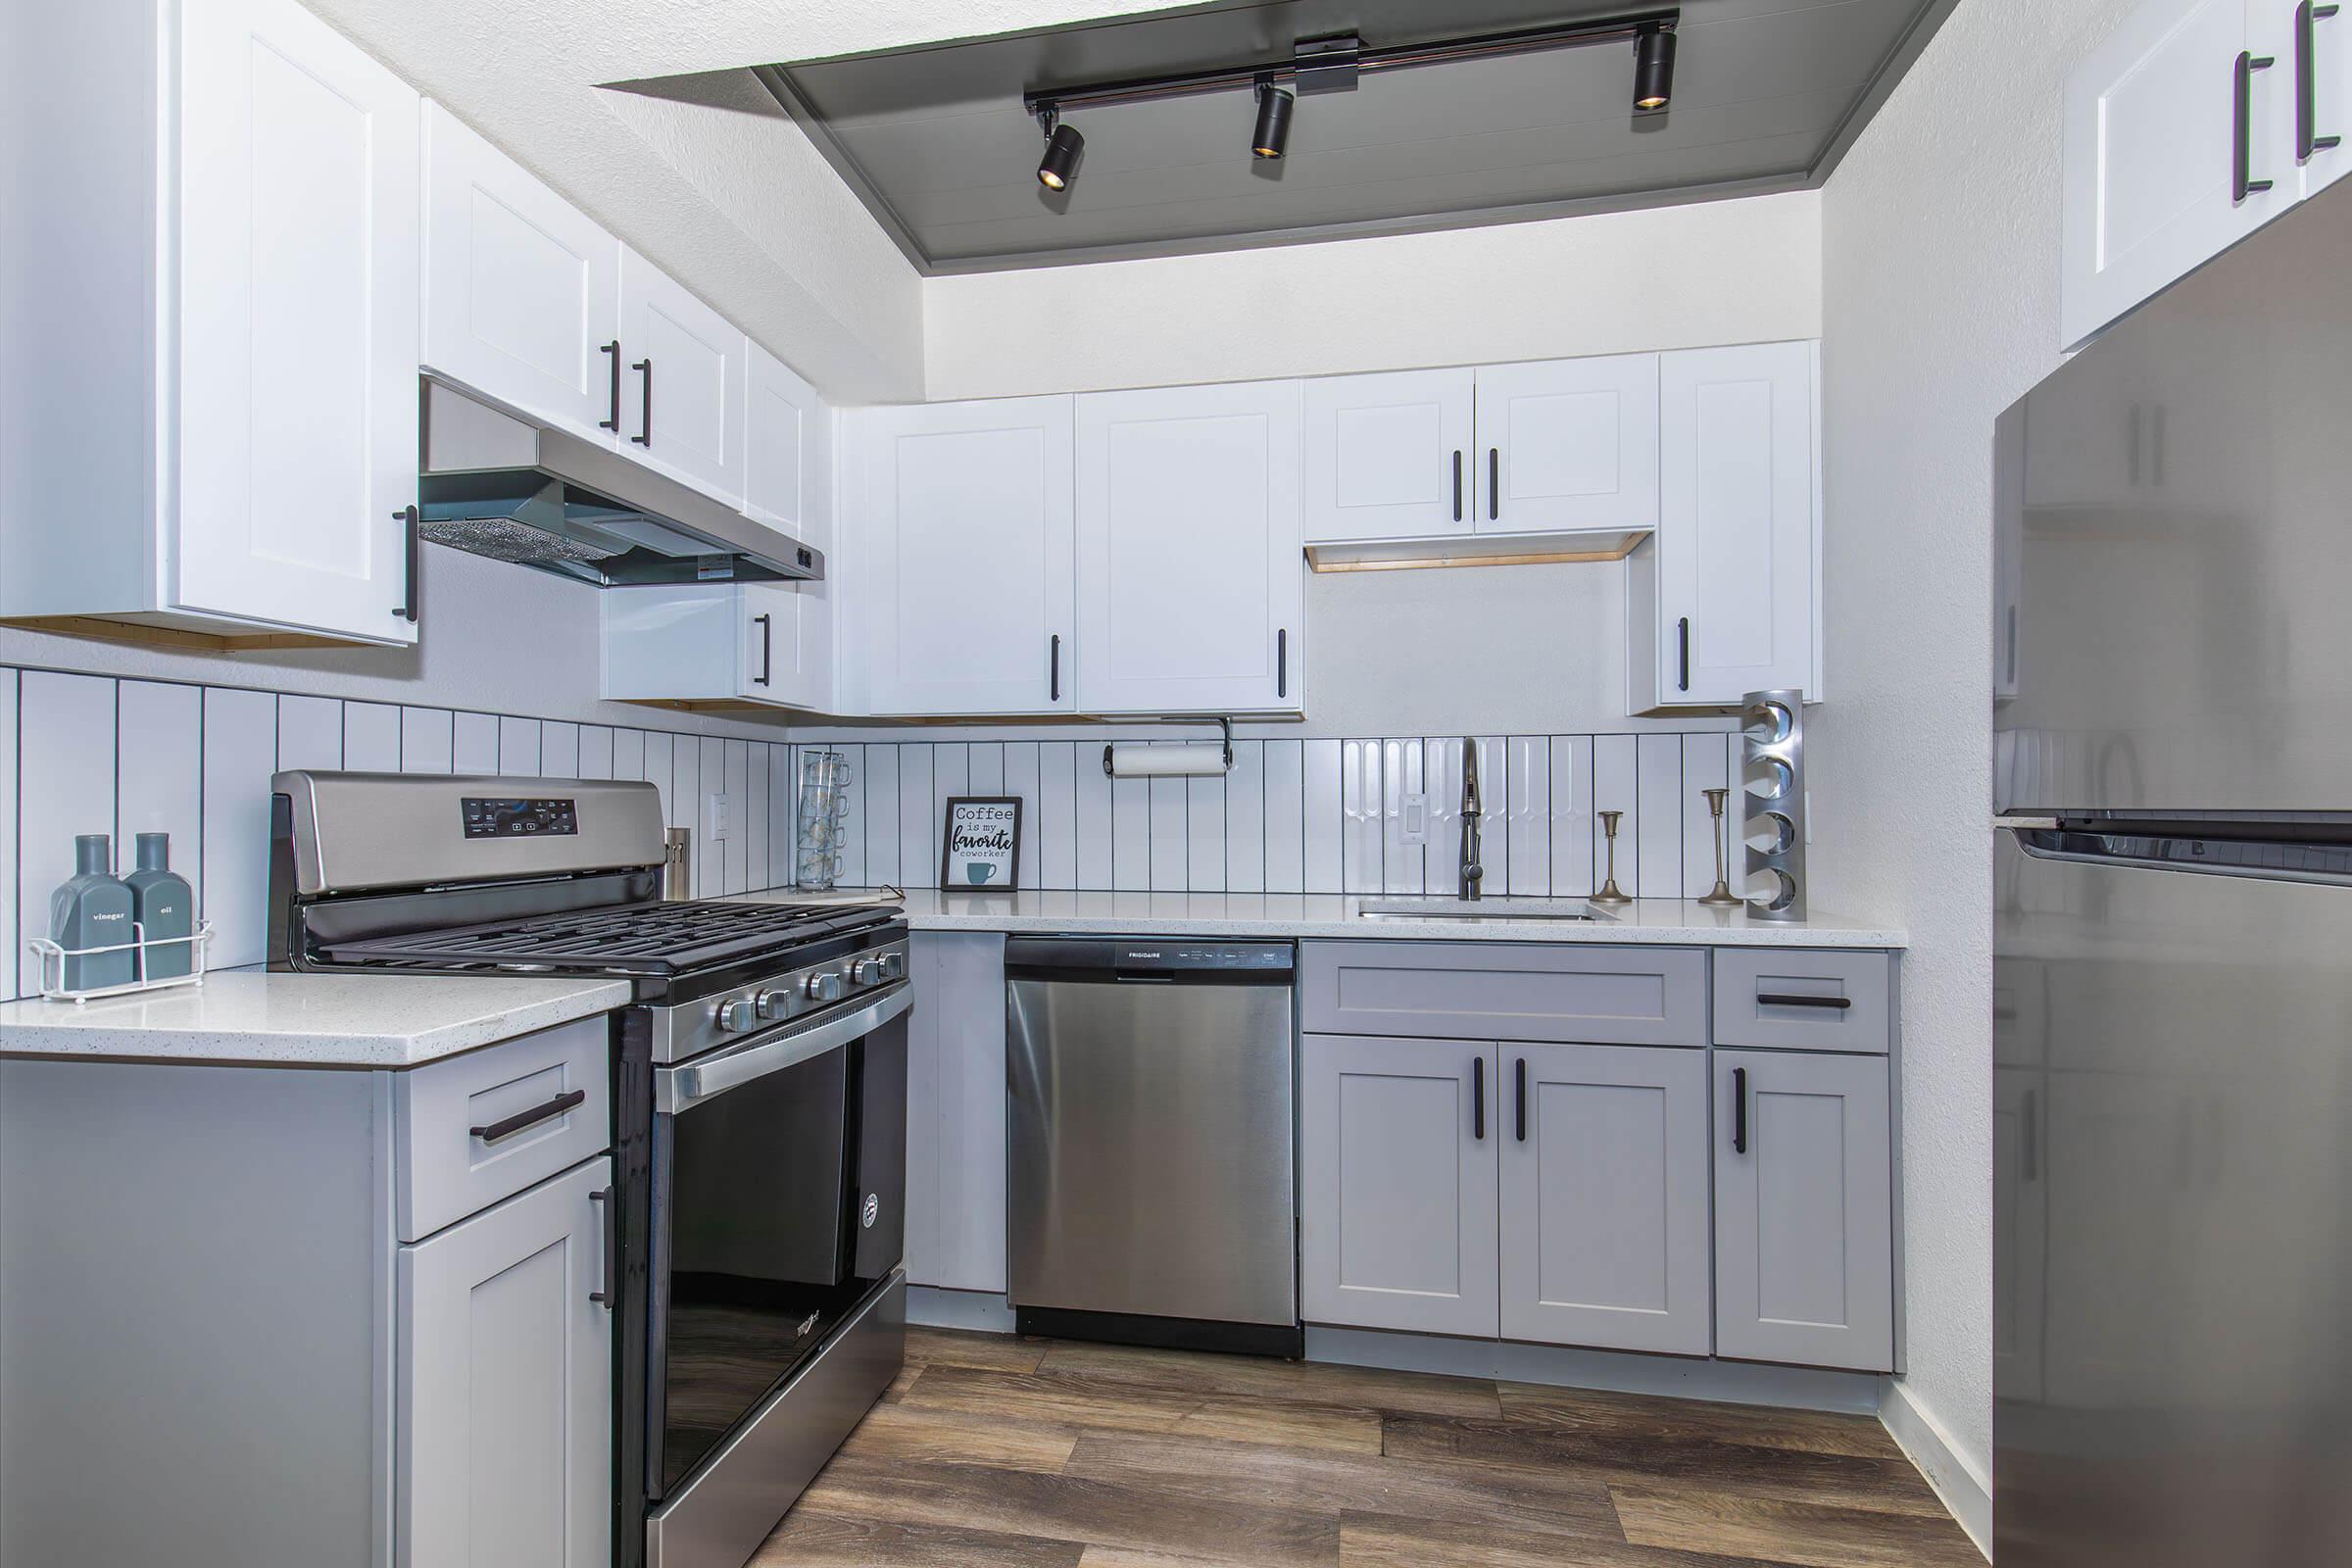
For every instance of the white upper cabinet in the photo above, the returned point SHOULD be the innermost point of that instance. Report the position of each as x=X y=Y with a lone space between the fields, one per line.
x=786 y=435
x=1567 y=446
x=521 y=288
x=2322 y=59
x=1388 y=457
x=298 y=321
x=682 y=389
x=964 y=555
x=2180 y=132
x=1189 y=568
x=1721 y=598
x=755 y=642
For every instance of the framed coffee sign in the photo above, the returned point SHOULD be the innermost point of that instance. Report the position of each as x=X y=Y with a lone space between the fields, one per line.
x=980 y=848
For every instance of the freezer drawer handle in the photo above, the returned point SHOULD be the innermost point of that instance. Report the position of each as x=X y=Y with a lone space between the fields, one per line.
x=2241 y=126
x=2308 y=139
x=508 y=1127
x=1478 y=1098
x=1739 y=1111
x=1772 y=998
x=609 y=1296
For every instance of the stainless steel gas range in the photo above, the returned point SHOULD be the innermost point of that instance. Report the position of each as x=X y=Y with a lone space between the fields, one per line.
x=759 y=1110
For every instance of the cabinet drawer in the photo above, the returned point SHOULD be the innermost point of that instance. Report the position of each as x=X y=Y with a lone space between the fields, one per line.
x=1801 y=999
x=443 y=1117
x=1495 y=990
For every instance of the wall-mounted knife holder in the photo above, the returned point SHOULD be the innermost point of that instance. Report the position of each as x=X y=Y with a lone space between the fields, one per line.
x=1772 y=780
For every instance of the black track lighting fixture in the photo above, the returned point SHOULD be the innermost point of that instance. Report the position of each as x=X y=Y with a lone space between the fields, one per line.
x=1337 y=65
x=1653 y=67
x=1272 y=137
x=1059 y=168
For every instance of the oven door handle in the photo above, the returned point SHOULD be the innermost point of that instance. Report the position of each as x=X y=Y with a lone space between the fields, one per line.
x=677 y=1089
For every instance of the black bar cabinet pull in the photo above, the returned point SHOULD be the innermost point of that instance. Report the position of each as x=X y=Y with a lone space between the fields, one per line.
x=1457 y=485
x=2243 y=182
x=1281 y=662
x=614 y=349
x=2031 y=1137
x=609 y=1296
x=1054 y=670
x=645 y=412
x=2308 y=139
x=1776 y=998
x=1478 y=1098
x=1682 y=635
x=1739 y=1111
x=1519 y=1097
x=767 y=648
x=508 y=1127
x=1494 y=483
x=411 y=553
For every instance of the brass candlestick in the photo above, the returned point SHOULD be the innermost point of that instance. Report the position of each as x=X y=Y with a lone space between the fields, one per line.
x=1721 y=895
x=1610 y=892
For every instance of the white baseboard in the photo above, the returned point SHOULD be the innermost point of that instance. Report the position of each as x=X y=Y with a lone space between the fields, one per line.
x=982 y=1311
x=1623 y=1372
x=1965 y=1490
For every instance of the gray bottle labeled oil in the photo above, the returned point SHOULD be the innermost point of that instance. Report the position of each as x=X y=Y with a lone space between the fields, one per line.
x=93 y=911
x=165 y=907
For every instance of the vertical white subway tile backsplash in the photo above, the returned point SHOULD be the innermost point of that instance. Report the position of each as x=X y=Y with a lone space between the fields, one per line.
x=310 y=732
x=558 y=750
x=753 y=816
x=1245 y=801
x=1706 y=763
x=988 y=768
x=858 y=799
x=1359 y=806
x=240 y=750
x=159 y=738
x=1057 y=831
x=1286 y=815
x=1613 y=790
x=1659 y=764
x=66 y=729
x=1401 y=774
x=1130 y=834
x=918 y=859
x=371 y=737
x=655 y=759
x=1527 y=784
x=1324 y=824
x=1021 y=782
x=1170 y=864
x=595 y=752
x=1573 y=829
x=880 y=802
x=1204 y=845
x=428 y=736
x=1095 y=837
x=628 y=753
x=8 y=944
x=737 y=757
x=475 y=749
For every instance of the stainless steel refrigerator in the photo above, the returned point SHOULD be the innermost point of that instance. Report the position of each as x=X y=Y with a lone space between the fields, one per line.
x=2172 y=928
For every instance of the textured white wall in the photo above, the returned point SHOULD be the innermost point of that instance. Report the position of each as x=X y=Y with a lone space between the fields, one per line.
x=1940 y=236
x=1731 y=271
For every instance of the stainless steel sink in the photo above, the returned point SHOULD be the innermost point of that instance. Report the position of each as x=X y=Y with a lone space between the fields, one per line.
x=1481 y=909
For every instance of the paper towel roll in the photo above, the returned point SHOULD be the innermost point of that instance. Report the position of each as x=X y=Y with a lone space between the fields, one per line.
x=1138 y=761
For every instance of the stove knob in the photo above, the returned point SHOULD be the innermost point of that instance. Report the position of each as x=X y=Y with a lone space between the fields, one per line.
x=824 y=987
x=739 y=1015
x=893 y=965
x=775 y=1004
x=867 y=972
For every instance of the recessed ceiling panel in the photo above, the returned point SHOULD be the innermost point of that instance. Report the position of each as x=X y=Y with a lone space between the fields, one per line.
x=938 y=144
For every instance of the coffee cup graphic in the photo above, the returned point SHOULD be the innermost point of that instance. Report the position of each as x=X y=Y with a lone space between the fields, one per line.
x=979 y=872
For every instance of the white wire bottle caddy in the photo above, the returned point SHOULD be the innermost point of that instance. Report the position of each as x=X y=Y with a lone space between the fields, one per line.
x=52 y=958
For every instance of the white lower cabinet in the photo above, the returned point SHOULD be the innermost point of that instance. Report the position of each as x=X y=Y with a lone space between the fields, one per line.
x=956 y=1111
x=1804 y=1237
x=1604 y=1197
x=504 y=1447
x=1398 y=1184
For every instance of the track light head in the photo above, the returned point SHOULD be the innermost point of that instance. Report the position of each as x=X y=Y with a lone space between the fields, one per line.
x=1653 y=67
x=1272 y=137
x=1059 y=168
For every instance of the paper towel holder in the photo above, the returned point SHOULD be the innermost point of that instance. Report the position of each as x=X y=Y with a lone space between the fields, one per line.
x=1224 y=724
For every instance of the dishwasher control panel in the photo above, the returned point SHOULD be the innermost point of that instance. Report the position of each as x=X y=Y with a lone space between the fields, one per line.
x=1145 y=956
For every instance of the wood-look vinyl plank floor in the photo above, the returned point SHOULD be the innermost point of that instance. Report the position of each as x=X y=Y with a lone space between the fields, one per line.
x=1000 y=1452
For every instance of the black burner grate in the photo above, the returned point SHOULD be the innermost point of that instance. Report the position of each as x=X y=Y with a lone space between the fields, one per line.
x=647 y=939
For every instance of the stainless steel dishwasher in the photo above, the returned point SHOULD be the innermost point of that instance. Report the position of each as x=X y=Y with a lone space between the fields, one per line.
x=1153 y=1195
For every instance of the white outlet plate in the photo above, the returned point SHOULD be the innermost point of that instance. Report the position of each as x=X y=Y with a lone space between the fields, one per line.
x=1412 y=819
x=717 y=817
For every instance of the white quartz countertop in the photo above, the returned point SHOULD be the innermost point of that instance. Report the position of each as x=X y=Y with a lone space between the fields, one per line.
x=1665 y=921
x=306 y=1020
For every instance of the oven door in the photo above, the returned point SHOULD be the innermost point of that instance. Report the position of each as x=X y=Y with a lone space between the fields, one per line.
x=778 y=1205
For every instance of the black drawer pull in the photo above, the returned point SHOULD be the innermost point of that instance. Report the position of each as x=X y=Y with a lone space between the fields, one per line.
x=1520 y=1086
x=508 y=1127
x=1478 y=1098
x=1739 y=1111
x=609 y=1296
x=1768 y=998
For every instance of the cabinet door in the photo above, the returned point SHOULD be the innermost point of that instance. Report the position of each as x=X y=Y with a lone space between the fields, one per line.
x=297 y=321
x=1735 y=542
x=787 y=450
x=504 y=1373
x=2322 y=59
x=1604 y=1197
x=1568 y=444
x=1388 y=457
x=785 y=645
x=965 y=552
x=521 y=288
x=1189 y=565
x=1804 y=1263
x=2152 y=155
x=682 y=382
x=1398 y=1184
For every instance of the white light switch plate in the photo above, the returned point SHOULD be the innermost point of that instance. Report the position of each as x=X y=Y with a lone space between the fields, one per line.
x=717 y=817
x=1412 y=819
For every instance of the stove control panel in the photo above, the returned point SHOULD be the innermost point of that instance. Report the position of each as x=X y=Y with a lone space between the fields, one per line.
x=493 y=817
x=780 y=997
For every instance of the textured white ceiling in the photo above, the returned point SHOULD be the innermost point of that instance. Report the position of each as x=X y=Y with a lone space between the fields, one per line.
x=724 y=193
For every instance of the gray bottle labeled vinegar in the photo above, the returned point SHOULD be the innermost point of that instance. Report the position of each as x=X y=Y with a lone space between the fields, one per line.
x=93 y=911
x=165 y=907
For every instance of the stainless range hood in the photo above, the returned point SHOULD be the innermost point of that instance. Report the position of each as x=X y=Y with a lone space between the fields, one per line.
x=498 y=486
